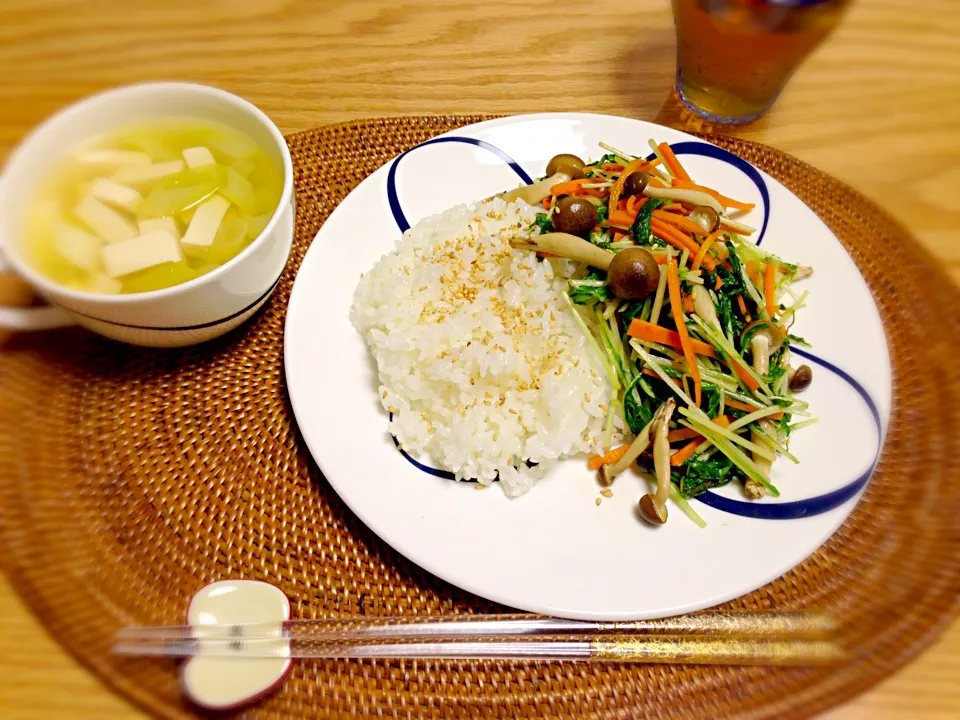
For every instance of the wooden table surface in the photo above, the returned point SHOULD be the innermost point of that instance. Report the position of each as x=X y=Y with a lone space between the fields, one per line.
x=878 y=106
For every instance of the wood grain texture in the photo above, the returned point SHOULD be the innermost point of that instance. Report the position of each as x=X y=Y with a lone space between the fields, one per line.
x=878 y=106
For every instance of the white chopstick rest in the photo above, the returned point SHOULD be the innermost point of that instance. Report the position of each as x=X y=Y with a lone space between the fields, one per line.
x=227 y=683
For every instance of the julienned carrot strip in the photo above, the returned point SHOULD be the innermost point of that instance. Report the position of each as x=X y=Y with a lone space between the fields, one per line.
x=704 y=247
x=722 y=199
x=617 y=189
x=618 y=236
x=737 y=405
x=753 y=270
x=744 y=375
x=612 y=167
x=684 y=453
x=621 y=218
x=684 y=433
x=718 y=284
x=671 y=160
x=632 y=204
x=673 y=285
x=680 y=221
x=569 y=187
x=742 y=304
x=688 y=304
x=673 y=236
x=546 y=203
x=770 y=288
x=674 y=208
x=622 y=205
x=679 y=240
x=643 y=330
x=609 y=457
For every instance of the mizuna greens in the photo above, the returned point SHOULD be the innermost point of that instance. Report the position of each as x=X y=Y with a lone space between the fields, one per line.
x=713 y=336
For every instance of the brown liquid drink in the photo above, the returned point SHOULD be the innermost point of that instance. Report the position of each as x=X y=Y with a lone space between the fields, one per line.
x=735 y=56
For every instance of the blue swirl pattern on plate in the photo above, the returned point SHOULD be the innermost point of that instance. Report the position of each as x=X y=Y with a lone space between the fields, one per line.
x=760 y=510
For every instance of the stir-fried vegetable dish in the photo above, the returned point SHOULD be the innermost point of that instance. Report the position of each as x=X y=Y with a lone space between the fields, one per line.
x=691 y=319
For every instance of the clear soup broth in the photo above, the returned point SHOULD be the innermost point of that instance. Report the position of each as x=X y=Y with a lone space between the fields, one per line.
x=150 y=206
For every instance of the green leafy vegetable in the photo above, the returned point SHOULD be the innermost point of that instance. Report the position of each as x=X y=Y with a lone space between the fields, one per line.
x=641 y=226
x=589 y=290
x=602 y=214
x=695 y=477
x=543 y=223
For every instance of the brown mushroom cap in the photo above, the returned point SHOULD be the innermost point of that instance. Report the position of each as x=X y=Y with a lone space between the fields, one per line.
x=800 y=379
x=650 y=512
x=635 y=183
x=633 y=274
x=763 y=328
x=575 y=216
x=705 y=217
x=557 y=162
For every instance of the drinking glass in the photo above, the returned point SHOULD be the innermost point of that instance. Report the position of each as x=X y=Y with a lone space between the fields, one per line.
x=735 y=56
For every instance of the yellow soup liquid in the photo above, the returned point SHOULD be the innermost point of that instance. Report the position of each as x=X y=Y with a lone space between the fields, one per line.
x=150 y=206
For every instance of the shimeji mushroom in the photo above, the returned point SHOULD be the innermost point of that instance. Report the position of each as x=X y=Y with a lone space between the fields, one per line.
x=632 y=274
x=561 y=168
x=639 y=445
x=764 y=339
x=534 y=193
x=653 y=508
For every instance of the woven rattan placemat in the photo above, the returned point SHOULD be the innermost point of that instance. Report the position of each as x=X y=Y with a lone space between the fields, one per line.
x=129 y=478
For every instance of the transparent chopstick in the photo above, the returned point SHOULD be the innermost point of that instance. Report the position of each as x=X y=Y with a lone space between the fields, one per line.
x=643 y=649
x=707 y=638
x=766 y=624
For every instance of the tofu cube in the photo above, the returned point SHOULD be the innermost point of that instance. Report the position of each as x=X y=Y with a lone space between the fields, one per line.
x=115 y=194
x=106 y=222
x=205 y=222
x=105 y=160
x=140 y=253
x=143 y=174
x=167 y=224
x=78 y=247
x=100 y=283
x=198 y=157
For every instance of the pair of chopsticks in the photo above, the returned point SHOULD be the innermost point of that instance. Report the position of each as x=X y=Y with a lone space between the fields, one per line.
x=716 y=638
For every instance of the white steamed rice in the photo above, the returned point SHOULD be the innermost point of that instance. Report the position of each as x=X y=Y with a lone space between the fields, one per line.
x=480 y=360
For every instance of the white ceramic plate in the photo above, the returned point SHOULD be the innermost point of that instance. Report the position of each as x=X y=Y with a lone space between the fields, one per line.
x=553 y=550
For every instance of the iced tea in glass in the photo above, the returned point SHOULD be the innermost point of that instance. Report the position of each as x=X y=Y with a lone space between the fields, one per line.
x=735 y=56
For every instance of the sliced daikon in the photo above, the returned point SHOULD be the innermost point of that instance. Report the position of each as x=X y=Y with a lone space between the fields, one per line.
x=167 y=224
x=78 y=247
x=100 y=283
x=104 y=221
x=144 y=174
x=205 y=222
x=198 y=157
x=244 y=167
x=232 y=144
x=231 y=238
x=115 y=194
x=176 y=193
x=256 y=225
x=239 y=191
x=139 y=253
x=111 y=159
